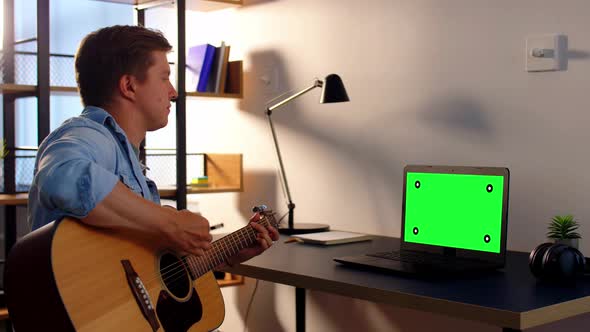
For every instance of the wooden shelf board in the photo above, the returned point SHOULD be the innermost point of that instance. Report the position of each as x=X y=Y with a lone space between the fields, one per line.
x=16 y=88
x=63 y=89
x=165 y=192
x=170 y=192
x=200 y=5
x=230 y=280
x=214 y=95
x=21 y=88
x=14 y=199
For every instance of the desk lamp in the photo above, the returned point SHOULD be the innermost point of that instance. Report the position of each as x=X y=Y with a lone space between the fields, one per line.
x=333 y=91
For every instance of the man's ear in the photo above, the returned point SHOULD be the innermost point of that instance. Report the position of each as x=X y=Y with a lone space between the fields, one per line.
x=127 y=86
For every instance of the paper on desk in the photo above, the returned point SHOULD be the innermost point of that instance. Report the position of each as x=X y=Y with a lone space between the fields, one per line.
x=333 y=237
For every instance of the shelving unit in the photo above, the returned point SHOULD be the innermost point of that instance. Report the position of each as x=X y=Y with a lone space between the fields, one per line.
x=42 y=90
x=224 y=170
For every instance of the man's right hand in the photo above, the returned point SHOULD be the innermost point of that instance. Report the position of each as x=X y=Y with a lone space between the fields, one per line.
x=187 y=232
x=124 y=210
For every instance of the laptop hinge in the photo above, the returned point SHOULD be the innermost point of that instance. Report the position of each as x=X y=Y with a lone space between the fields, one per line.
x=450 y=252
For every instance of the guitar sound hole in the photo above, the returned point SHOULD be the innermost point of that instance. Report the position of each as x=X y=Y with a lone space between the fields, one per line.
x=174 y=275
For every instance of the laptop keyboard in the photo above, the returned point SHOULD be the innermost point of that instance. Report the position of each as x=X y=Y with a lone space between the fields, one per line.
x=426 y=258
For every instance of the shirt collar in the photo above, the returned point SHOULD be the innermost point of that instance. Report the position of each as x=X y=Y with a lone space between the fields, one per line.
x=96 y=114
x=103 y=117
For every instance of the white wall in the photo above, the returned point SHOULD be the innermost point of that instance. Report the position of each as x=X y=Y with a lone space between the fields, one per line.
x=430 y=81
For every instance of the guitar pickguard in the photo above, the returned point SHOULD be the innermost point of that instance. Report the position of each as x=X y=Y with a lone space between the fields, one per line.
x=178 y=316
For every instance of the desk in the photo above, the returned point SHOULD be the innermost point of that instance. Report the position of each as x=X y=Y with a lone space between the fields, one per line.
x=510 y=298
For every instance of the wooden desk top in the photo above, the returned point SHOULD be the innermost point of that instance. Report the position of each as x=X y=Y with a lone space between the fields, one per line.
x=511 y=297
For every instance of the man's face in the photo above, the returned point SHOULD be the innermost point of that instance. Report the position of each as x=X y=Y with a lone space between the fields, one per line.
x=155 y=93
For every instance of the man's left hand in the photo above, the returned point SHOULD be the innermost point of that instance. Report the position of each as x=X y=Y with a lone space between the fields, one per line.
x=264 y=239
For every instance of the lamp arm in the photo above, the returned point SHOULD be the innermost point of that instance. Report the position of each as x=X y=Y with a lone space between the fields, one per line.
x=290 y=205
x=316 y=84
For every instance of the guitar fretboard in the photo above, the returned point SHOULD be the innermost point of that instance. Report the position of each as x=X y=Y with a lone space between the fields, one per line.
x=225 y=247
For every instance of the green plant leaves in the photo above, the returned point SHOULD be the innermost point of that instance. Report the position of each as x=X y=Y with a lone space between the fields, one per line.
x=563 y=227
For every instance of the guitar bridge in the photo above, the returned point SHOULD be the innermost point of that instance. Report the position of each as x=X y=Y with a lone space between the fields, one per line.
x=141 y=295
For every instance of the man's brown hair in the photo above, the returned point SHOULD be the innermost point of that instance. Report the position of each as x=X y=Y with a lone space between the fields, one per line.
x=105 y=55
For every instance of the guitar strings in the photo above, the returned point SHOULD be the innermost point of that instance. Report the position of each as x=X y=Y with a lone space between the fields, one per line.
x=180 y=275
x=177 y=270
x=217 y=245
x=181 y=272
x=179 y=267
x=203 y=263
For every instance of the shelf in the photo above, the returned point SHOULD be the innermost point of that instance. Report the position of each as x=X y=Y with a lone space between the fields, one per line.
x=14 y=199
x=170 y=192
x=230 y=280
x=234 y=85
x=214 y=95
x=165 y=192
x=32 y=89
x=11 y=89
x=196 y=5
x=224 y=172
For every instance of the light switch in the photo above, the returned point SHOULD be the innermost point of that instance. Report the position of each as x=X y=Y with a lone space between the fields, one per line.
x=546 y=52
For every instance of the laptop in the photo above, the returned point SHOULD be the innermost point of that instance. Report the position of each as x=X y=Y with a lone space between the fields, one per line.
x=454 y=220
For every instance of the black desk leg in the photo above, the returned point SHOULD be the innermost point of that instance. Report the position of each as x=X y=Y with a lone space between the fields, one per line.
x=507 y=329
x=300 y=309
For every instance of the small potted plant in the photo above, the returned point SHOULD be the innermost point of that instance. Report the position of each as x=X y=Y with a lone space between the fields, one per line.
x=562 y=229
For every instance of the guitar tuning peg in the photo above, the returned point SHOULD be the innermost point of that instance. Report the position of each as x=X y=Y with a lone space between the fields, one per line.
x=259 y=208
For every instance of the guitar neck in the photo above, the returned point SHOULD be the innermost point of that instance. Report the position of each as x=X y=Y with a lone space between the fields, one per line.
x=223 y=248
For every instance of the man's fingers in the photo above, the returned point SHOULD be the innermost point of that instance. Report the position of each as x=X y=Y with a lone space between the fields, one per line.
x=205 y=245
x=197 y=251
x=274 y=233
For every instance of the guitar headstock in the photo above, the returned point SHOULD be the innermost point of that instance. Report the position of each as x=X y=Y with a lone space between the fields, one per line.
x=266 y=214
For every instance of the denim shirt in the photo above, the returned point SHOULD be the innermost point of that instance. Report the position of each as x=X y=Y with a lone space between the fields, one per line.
x=79 y=164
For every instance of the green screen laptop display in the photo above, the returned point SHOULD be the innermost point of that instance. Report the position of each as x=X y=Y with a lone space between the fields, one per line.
x=462 y=211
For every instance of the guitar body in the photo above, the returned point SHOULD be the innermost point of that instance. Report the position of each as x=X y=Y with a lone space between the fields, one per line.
x=69 y=276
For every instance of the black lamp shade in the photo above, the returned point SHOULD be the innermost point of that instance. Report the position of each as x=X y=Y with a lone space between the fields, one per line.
x=333 y=90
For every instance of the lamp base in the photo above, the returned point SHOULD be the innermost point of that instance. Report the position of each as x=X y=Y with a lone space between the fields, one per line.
x=303 y=228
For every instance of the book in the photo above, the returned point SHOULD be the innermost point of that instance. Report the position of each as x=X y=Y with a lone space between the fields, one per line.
x=215 y=67
x=333 y=237
x=223 y=72
x=233 y=83
x=198 y=63
x=216 y=81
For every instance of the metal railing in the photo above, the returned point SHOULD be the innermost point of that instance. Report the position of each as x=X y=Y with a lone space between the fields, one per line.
x=161 y=164
x=61 y=69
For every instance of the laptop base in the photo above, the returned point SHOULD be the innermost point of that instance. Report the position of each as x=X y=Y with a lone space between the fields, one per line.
x=422 y=270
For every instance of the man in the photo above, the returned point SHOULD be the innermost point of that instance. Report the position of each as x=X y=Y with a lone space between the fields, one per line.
x=89 y=167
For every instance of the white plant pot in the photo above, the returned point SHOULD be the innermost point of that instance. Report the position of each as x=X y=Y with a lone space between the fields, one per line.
x=569 y=242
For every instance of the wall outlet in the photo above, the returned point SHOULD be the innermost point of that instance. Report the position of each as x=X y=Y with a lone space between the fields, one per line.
x=546 y=52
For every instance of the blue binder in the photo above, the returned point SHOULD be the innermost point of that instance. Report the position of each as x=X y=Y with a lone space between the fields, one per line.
x=199 y=62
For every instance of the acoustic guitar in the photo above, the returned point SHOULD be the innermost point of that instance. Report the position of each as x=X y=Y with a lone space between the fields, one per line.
x=68 y=276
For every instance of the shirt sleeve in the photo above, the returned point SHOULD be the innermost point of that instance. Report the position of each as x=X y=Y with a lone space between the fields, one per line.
x=75 y=171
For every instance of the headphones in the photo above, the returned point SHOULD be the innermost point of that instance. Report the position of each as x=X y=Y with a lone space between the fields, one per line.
x=558 y=262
